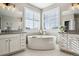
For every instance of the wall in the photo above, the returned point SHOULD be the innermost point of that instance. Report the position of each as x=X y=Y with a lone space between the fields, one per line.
x=76 y=16
x=21 y=6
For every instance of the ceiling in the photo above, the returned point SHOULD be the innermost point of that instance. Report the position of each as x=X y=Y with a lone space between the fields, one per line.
x=41 y=5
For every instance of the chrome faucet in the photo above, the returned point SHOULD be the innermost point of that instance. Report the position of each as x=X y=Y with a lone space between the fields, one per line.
x=42 y=32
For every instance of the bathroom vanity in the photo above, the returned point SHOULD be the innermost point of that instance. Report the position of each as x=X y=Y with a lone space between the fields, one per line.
x=12 y=39
x=11 y=43
x=69 y=42
x=42 y=42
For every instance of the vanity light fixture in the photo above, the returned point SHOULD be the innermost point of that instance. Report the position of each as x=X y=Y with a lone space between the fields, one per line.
x=2 y=5
x=75 y=5
x=8 y=6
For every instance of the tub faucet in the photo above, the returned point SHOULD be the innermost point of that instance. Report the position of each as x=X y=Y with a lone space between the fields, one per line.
x=42 y=32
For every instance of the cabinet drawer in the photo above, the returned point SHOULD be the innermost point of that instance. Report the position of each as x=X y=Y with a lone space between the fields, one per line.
x=23 y=45
x=23 y=40
x=23 y=35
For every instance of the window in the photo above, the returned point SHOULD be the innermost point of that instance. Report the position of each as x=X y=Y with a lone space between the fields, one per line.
x=52 y=19
x=32 y=19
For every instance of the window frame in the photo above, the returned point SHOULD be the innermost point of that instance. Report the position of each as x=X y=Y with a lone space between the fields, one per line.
x=34 y=19
x=56 y=16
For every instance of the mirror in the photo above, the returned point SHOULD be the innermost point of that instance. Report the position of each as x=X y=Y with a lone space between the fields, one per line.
x=10 y=23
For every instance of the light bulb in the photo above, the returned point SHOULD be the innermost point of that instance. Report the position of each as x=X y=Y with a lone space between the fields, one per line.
x=78 y=6
x=8 y=8
x=13 y=9
x=72 y=8
x=3 y=7
x=75 y=4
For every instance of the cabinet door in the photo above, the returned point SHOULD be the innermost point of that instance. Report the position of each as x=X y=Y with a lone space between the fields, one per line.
x=63 y=41
x=14 y=44
x=75 y=45
x=4 y=46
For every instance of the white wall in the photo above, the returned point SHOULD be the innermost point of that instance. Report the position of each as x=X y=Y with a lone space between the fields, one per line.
x=21 y=6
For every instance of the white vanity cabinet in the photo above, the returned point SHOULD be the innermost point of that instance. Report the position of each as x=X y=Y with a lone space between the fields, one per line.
x=74 y=43
x=11 y=43
x=4 y=46
x=70 y=44
x=14 y=44
x=63 y=42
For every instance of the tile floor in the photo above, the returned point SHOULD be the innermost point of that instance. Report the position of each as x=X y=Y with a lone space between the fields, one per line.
x=29 y=52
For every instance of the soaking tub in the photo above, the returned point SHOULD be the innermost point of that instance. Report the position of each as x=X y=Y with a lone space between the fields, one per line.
x=41 y=42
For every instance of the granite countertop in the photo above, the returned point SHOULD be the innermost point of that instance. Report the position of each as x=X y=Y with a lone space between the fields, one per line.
x=69 y=32
x=12 y=33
